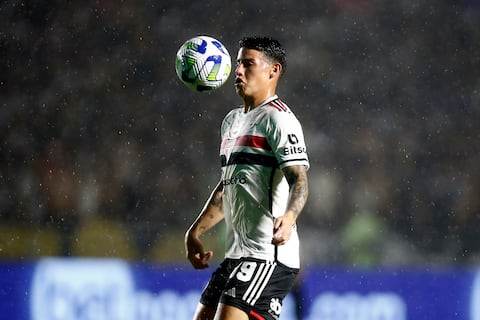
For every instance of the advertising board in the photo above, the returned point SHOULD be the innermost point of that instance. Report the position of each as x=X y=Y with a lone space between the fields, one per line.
x=110 y=289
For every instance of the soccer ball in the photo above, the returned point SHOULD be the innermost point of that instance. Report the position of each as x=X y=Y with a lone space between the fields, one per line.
x=203 y=63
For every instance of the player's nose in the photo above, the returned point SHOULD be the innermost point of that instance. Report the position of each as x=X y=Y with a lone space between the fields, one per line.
x=239 y=69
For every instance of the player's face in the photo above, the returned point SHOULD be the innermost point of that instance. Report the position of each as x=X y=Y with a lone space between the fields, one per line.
x=252 y=74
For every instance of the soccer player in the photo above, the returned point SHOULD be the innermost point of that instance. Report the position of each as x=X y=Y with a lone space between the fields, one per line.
x=262 y=190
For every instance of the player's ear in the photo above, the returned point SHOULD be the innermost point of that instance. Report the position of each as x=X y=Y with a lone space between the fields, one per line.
x=275 y=70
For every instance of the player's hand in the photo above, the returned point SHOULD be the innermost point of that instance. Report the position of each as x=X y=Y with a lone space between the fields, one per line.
x=195 y=253
x=282 y=229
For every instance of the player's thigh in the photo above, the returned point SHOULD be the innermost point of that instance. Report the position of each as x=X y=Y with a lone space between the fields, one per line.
x=226 y=312
x=204 y=312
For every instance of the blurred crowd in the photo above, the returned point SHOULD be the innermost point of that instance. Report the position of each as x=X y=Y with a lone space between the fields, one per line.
x=105 y=153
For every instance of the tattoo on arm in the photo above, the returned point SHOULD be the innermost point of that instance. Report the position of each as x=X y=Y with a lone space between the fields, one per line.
x=216 y=199
x=298 y=181
x=211 y=214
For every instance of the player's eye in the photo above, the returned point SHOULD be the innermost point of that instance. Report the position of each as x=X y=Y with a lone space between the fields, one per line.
x=247 y=63
x=244 y=63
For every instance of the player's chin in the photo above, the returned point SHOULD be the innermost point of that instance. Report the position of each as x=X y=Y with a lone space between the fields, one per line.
x=239 y=89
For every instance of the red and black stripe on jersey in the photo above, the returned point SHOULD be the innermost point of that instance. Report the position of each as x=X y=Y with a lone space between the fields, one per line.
x=242 y=157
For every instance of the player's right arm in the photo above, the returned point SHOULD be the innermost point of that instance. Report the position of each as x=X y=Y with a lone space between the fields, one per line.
x=211 y=214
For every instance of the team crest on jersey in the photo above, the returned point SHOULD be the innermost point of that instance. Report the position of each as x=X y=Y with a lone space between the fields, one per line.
x=235 y=128
x=233 y=124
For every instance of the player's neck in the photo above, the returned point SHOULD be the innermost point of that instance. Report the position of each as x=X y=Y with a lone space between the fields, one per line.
x=251 y=103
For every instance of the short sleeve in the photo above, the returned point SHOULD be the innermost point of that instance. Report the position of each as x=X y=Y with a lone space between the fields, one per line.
x=285 y=136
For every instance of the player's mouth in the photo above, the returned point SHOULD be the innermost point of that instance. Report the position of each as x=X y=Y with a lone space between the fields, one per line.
x=238 y=81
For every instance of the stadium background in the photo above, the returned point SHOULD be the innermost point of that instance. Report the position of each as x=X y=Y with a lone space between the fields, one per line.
x=104 y=153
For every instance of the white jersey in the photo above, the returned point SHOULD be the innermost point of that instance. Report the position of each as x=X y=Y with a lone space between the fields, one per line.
x=256 y=145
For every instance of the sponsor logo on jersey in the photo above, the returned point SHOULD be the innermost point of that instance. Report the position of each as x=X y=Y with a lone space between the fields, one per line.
x=231 y=292
x=234 y=180
x=293 y=149
x=275 y=308
x=292 y=138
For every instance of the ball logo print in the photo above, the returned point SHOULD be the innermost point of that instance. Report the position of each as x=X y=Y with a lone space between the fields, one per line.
x=203 y=63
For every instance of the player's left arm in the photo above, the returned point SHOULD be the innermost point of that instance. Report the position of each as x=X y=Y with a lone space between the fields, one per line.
x=298 y=181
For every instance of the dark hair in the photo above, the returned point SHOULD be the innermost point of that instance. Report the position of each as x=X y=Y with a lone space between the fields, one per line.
x=270 y=47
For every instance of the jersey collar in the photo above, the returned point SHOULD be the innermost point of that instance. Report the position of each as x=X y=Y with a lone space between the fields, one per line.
x=274 y=97
x=265 y=102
